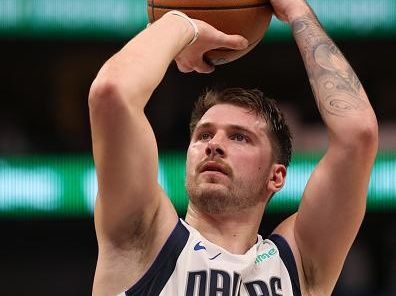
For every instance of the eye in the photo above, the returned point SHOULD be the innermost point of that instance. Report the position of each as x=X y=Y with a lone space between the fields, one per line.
x=239 y=138
x=205 y=136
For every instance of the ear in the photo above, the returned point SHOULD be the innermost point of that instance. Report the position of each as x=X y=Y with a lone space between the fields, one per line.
x=277 y=178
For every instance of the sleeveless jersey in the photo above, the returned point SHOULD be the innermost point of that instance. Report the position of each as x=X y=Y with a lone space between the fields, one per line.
x=190 y=265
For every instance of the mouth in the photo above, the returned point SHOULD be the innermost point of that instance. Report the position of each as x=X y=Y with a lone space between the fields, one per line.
x=214 y=167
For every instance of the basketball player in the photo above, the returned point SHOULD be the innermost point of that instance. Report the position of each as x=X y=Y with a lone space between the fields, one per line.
x=237 y=159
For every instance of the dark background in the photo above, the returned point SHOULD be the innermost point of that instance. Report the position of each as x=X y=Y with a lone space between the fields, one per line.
x=45 y=85
x=44 y=88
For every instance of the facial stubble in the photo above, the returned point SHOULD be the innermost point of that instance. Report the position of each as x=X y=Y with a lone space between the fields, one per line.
x=214 y=196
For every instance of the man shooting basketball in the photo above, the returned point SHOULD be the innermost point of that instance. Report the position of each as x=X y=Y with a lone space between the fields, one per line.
x=237 y=159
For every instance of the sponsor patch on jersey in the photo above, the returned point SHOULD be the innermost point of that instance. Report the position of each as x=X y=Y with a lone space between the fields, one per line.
x=265 y=256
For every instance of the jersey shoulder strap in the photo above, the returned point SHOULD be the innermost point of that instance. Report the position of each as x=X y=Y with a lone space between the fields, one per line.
x=287 y=257
x=154 y=280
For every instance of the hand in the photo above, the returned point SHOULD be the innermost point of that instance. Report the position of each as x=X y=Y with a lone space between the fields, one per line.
x=191 y=58
x=288 y=10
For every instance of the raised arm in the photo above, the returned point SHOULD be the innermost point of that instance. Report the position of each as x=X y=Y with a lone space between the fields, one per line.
x=132 y=212
x=334 y=200
x=124 y=146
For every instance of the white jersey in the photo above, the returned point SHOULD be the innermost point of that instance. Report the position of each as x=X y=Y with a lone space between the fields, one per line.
x=190 y=265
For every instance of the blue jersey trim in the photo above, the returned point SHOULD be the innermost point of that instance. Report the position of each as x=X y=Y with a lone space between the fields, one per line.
x=287 y=257
x=155 y=279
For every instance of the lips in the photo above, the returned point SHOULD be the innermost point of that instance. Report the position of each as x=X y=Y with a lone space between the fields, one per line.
x=212 y=166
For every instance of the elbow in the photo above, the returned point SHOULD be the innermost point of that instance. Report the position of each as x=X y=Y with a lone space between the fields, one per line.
x=362 y=138
x=367 y=134
x=357 y=136
x=110 y=89
x=103 y=91
x=108 y=102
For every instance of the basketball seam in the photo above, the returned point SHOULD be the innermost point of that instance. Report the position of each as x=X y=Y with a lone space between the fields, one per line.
x=209 y=8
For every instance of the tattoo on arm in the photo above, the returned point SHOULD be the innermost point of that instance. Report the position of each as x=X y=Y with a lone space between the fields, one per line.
x=336 y=87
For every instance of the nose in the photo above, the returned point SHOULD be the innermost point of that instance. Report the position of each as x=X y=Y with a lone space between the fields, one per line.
x=214 y=149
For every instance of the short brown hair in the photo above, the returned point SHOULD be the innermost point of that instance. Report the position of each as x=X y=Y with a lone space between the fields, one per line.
x=255 y=101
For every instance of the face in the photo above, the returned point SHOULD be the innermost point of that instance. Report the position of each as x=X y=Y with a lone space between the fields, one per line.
x=229 y=160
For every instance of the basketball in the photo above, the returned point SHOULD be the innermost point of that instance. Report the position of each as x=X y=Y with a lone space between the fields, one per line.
x=249 y=18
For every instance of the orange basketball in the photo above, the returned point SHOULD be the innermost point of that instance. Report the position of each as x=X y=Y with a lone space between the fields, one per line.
x=249 y=18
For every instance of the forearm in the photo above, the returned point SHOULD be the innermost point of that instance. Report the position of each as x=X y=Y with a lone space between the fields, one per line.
x=137 y=69
x=339 y=95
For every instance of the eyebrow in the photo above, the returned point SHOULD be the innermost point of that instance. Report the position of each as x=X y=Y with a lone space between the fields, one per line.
x=234 y=127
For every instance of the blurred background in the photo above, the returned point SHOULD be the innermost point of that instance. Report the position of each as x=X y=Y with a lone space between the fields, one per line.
x=51 y=51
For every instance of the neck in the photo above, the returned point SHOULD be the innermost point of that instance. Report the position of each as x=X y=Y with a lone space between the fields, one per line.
x=236 y=232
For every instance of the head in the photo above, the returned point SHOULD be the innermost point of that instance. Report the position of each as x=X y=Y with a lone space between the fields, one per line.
x=239 y=150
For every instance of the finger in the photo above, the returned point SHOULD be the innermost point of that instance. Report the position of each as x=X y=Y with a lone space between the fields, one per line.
x=236 y=42
x=182 y=65
x=184 y=69
x=202 y=67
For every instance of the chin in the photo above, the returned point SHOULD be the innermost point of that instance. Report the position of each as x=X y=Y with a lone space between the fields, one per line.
x=212 y=198
x=211 y=177
x=211 y=190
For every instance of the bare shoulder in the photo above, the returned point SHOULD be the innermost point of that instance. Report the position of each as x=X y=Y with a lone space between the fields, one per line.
x=120 y=266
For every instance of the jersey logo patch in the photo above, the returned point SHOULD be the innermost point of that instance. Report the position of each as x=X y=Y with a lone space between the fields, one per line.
x=198 y=247
x=214 y=257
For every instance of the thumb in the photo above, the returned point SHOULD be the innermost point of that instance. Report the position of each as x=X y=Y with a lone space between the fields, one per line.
x=236 y=42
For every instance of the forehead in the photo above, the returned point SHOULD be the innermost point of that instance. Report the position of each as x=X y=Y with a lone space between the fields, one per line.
x=228 y=115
